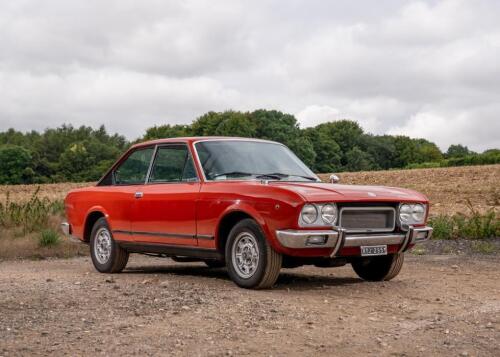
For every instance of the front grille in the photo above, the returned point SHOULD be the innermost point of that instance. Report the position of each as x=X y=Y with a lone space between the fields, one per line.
x=368 y=219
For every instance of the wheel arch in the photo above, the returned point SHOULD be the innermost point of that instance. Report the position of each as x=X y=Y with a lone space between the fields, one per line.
x=229 y=220
x=90 y=220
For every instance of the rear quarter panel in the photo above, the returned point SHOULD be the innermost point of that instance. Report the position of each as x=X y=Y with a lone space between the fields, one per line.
x=114 y=202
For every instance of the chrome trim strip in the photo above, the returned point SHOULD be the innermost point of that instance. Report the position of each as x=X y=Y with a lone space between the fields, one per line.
x=339 y=238
x=151 y=163
x=205 y=236
x=297 y=239
x=166 y=235
x=368 y=208
x=376 y=239
x=156 y=234
x=416 y=231
x=408 y=237
x=155 y=154
x=340 y=241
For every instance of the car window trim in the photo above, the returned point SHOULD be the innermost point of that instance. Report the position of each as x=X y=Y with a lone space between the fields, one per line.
x=189 y=155
x=125 y=159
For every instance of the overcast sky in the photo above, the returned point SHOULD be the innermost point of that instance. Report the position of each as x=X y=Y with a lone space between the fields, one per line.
x=423 y=69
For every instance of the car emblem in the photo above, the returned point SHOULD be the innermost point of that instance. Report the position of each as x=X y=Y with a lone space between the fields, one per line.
x=371 y=194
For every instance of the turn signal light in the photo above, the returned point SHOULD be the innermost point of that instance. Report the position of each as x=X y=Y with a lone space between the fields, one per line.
x=316 y=240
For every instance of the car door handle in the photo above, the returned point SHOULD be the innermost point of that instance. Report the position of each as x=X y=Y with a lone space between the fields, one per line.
x=138 y=195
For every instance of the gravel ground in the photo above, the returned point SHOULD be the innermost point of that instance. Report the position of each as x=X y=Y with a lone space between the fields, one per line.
x=438 y=305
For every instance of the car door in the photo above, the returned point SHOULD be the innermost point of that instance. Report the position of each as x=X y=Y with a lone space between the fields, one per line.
x=119 y=189
x=165 y=207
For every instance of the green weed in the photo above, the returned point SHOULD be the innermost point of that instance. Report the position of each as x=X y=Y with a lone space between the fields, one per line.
x=484 y=247
x=472 y=226
x=31 y=215
x=48 y=238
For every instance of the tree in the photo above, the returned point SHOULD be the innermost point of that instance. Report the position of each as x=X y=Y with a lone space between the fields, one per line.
x=358 y=160
x=457 y=151
x=427 y=151
x=328 y=153
x=167 y=131
x=15 y=165
x=381 y=148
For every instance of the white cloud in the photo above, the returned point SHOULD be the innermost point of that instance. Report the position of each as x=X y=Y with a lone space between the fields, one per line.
x=407 y=67
x=450 y=129
x=317 y=114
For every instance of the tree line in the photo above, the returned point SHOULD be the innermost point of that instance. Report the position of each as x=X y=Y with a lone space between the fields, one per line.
x=84 y=154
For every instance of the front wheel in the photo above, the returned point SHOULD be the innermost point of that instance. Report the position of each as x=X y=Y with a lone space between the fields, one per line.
x=379 y=268
x=107 y=255
x=251 y=261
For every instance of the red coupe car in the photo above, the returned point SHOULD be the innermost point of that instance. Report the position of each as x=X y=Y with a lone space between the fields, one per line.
x=250 y=205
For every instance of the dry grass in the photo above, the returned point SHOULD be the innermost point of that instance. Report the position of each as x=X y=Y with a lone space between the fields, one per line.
x=26 y=247
x=15 y=244
x=448 y=189
x=53 y=191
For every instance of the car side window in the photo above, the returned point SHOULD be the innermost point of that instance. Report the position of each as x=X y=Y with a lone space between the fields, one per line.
x=173 y=163
x=134 y=169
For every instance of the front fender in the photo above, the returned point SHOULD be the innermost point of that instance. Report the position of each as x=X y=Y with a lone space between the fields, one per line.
x=256 y=214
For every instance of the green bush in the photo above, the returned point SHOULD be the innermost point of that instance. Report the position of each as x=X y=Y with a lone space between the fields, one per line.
x=489 y=157
x=475 y=226
x=48 y=238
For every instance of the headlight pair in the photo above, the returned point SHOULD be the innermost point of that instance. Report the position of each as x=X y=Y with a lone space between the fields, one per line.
x=318 y=214
x=412 y=213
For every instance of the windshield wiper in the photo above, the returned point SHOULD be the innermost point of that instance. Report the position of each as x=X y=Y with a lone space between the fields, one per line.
x=232 y=173
x=282 y=175
x=272 y=176
x=240 y=174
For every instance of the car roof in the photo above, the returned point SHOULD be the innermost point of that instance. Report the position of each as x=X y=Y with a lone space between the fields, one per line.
x=192 y=139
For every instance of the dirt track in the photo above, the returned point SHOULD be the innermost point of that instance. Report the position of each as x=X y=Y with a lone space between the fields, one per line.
x=438 y=305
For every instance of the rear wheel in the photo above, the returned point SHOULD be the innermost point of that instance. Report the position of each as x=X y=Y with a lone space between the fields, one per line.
x=107 y=255
x=251 y=261
x=379 y=268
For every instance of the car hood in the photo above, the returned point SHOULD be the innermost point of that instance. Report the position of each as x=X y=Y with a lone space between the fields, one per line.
x=315 y=192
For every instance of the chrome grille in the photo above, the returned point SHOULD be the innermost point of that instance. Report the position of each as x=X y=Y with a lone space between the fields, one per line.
x=368 y=219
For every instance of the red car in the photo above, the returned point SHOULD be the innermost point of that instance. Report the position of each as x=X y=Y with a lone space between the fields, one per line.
x=250 y=205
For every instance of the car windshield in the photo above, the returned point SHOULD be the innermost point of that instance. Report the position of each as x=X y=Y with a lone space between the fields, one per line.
x=249 y=160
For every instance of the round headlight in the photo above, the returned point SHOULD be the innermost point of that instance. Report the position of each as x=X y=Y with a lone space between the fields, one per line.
x=405 y=212
x=418 y=213
x=329 y=213
x=309 y=214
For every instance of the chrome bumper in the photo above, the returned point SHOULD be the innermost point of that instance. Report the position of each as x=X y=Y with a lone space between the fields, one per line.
x=337 y=238
x=66 y=228
x=68 y=232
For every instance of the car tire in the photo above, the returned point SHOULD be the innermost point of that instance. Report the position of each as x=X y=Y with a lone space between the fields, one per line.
x=107 y=255
x=251 y=261
x=214 y=263
x=379 y=268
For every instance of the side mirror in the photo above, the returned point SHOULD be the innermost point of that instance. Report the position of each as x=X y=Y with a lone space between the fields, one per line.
x=334 y=179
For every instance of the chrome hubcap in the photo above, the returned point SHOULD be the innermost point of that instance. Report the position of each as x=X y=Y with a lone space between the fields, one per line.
x=245 y=254
x=102 y=245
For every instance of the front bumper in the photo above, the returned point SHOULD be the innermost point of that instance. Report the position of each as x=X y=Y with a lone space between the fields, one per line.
x=338 y=238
